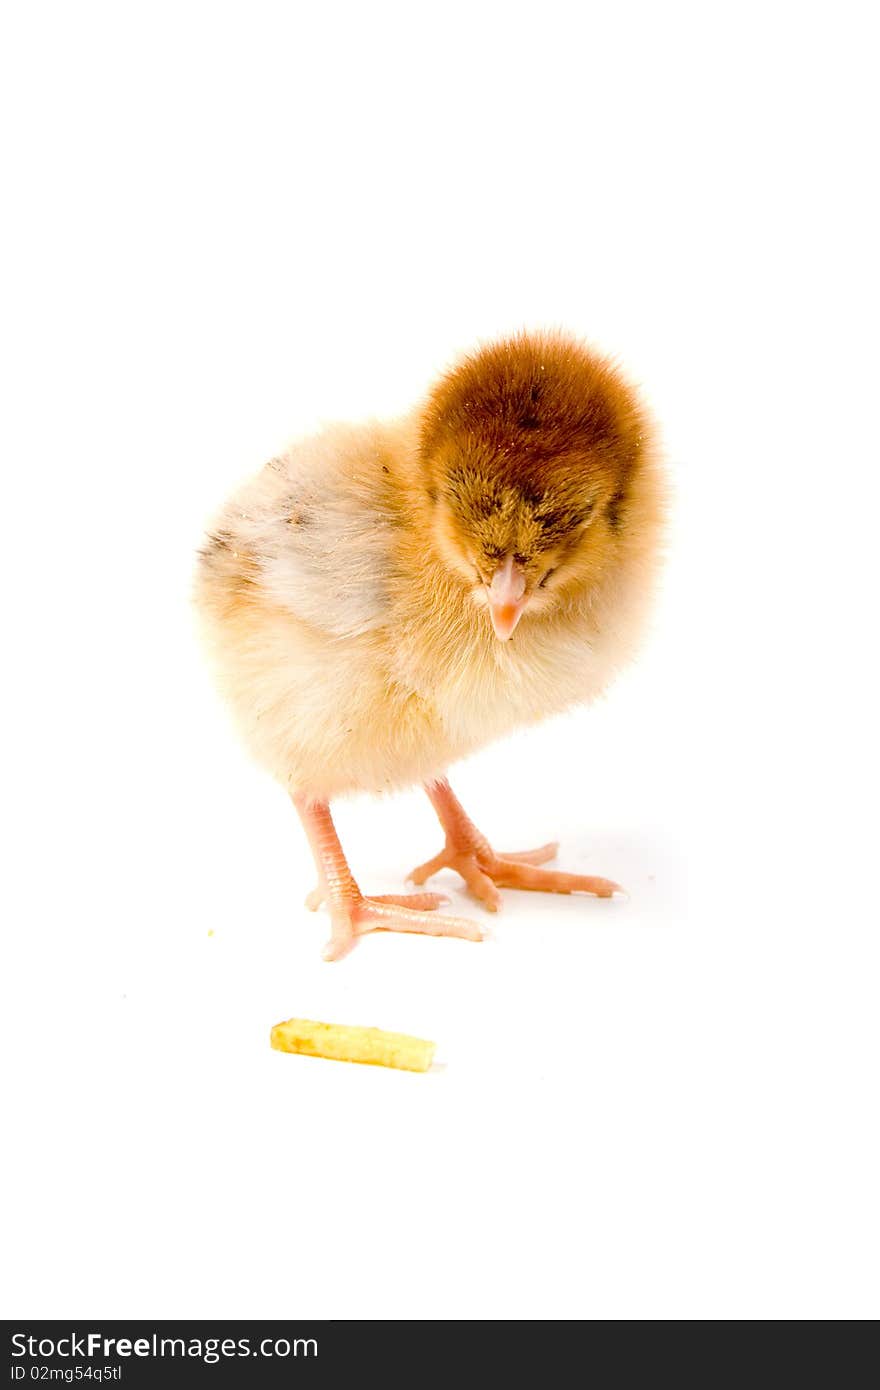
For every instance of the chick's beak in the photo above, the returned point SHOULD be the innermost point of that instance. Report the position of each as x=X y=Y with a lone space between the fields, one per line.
x=507 y=597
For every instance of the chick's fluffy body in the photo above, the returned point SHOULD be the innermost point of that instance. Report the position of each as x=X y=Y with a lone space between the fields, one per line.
x=340 y=591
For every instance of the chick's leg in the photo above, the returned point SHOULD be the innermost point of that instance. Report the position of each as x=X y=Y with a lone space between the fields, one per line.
x=470 y=854
x=351 y=913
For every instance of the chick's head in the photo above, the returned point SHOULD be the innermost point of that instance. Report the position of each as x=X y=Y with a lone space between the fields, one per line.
x=531 y=451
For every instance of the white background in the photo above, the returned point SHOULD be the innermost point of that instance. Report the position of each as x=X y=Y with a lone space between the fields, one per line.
x=222 y=225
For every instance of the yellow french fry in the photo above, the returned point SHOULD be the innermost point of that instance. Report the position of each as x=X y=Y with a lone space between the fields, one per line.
x=343 y=1043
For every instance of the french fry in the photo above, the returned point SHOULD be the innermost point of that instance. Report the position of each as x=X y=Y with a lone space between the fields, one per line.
x=343 y=1043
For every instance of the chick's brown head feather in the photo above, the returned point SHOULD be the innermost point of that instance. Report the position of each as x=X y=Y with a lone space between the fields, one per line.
x=531 y=449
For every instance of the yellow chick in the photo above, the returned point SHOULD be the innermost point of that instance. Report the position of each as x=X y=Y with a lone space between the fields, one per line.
x=382 y=600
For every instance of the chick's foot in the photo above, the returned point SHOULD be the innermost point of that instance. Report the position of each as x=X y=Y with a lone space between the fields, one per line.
x=484 y=871
x=352 y=914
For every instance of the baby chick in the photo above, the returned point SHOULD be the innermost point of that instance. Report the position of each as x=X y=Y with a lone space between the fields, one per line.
x=382 y=600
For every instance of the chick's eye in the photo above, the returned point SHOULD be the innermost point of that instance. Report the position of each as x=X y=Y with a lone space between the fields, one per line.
x=546 y=577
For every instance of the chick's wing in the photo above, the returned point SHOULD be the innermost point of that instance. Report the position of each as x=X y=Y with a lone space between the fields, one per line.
x=318 y=525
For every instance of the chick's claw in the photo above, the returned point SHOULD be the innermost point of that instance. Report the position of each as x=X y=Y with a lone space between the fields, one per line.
x=352 y=914
x=470 y=854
